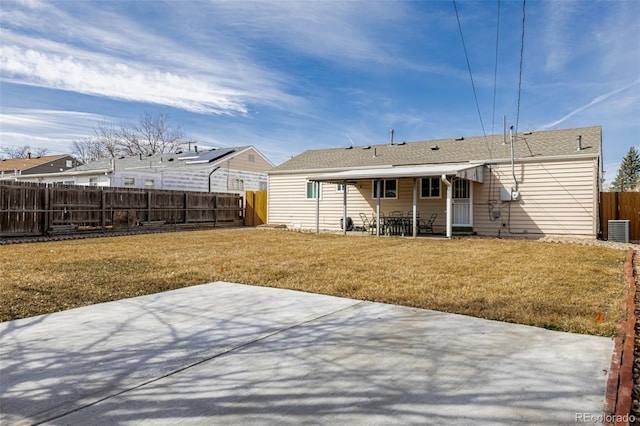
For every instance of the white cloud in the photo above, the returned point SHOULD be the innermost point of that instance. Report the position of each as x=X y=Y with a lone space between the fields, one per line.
x=593 y=102
x=110 y=56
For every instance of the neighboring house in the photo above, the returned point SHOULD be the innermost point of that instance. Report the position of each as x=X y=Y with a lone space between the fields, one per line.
x=549 y=186
x=230 y=170
x=12 y=167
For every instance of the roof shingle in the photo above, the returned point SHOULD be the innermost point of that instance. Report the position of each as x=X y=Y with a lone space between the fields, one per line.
x=549 y=143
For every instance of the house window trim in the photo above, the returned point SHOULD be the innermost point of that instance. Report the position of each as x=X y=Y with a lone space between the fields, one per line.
x=383 y=189
x=432 y=179
x=133 y=182
x=340 y=188
x=318 y=190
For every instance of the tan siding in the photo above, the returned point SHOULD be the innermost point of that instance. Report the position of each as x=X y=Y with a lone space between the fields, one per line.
x=555 y=198
x=288 y=204
x=242 y=162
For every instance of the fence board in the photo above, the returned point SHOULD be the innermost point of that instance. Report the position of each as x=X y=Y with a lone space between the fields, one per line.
x=620 y=206
x=36 y=209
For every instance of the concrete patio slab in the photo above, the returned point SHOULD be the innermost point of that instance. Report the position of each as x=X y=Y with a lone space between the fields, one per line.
x=224 y=353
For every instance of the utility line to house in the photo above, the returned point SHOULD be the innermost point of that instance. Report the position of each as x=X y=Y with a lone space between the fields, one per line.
x=469 y=68
x=521 y=63
x=495 y=73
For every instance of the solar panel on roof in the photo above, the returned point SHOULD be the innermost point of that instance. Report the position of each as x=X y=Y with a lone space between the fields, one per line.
x=213 y=155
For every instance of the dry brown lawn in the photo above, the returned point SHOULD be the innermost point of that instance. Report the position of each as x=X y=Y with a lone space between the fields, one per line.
x=556 y=286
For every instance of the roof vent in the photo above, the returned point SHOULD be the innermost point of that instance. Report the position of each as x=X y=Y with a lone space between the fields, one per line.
x=391 y=137
x=349 y=147
x=435 y=148
x=461 y=138
x=579 y=140
x=170 y=159
x=401 y=143
x=366 y=147
x=528 y=133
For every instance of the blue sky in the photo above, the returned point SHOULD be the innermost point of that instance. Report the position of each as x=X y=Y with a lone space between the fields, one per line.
x=287 y=76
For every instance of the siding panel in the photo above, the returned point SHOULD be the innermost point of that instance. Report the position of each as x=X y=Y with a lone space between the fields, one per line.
x=556 y=198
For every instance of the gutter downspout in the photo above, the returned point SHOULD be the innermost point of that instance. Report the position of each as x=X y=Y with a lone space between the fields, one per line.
x=378 y=209
x=317 y=207
x=513 y=163
x=209 y=178
x=444 y=180
x=344 y=207
x=414 y=230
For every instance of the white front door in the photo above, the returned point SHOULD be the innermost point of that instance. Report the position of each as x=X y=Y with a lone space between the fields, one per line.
x=462 y=202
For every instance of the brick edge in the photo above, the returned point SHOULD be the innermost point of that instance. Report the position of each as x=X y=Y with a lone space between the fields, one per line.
x=617 y=404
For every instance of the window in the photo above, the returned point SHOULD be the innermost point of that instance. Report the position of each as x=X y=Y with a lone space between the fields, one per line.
x=252 y=158
x=263 y=186
x=460 y=188
x=236 y=184
x=340 y=188
x=129 y=182
x=149 y=183
x=389 y=188
x=430 y=187
x=313 y=190
x=69 y=164
x=93 y=181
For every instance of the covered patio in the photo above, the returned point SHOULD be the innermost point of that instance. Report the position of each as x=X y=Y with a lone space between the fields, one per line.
x=445 y=173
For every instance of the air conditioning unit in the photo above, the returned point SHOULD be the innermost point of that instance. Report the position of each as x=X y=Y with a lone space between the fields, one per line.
x=618 y=230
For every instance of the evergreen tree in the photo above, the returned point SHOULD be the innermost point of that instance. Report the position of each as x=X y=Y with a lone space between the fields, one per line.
x=628 y=176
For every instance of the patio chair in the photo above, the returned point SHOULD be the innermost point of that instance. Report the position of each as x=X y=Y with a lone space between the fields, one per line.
x=367 y=224
x=425 y=225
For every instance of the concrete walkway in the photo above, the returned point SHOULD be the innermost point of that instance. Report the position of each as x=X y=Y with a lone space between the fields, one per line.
x=225 y=353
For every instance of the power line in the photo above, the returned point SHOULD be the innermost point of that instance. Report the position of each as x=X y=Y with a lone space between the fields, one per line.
x=521 y=61
x=495 y=74
x=469 y=67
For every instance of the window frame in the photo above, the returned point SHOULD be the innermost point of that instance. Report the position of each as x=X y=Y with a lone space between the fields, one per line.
x=316 y=190
x=384 y=189
x=431 y=179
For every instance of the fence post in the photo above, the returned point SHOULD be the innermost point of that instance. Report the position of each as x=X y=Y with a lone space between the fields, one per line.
x=215 y=210
x=46 y=218
x=149 y=206
x=103 y=214
x=186 y=220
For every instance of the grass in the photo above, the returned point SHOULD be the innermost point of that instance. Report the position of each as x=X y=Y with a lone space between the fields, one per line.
x=556 y=286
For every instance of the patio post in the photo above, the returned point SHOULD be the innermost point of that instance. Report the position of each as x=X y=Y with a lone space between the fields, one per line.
x=415 y=202
x=449 y=203
x=378 y=208
x=344 y=207
x=317 y=207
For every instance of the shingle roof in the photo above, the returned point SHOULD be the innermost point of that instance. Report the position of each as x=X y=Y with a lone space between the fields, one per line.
x=12 y=164
x=549 y=143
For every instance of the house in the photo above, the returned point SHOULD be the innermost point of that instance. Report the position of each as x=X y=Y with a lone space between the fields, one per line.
x=12 y=167
x=524 y=184
x=230 y=170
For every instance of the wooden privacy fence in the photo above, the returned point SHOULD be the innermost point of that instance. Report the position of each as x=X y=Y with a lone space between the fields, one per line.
x=38 y=209
x=256 y=209
x=620 y=206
